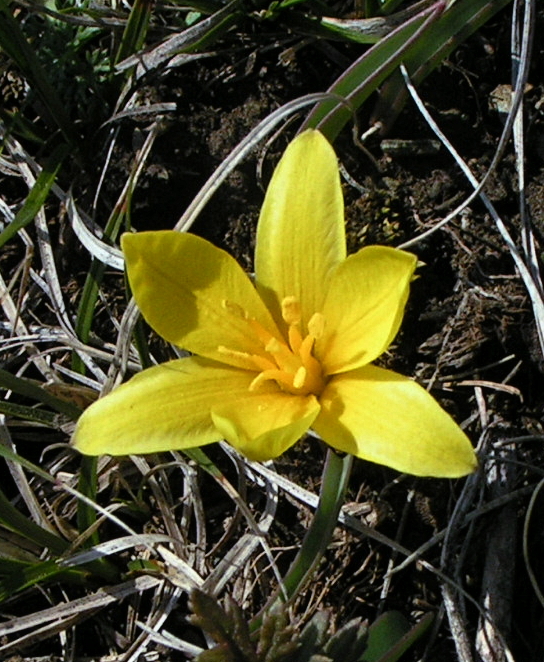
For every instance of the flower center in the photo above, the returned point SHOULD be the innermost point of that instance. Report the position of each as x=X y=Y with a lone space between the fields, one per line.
x=290 y=364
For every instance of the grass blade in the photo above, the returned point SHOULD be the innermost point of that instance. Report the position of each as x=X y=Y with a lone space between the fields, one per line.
x=37 y=195
x=334 y=483
x=33 y=391
x=359 y=30
x=32 y=414
x=18 y=575
x=136 y=29
x=390 y=636
x=87 y=485
x=455 y=25
x=15 y=45
x=119 y=216
x=369 y=71
x=192 y=39
x=13 y=520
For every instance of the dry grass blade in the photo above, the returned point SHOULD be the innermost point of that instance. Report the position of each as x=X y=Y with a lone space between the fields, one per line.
x=244 y=148
x=186 y=40
x=532 y=284
x=163 y=603
x=24 y=488
x=239 y=554
x=49 y=622
x=310 y=499
x=523 y=27
x=498 y=580
x=44 y=240
x=161 y=491
x=114 y=546
x=371 y=30
x=108 y=255
x=452 y=595
x=498 y=586
x=18 y=330
x=180 y=573
x=528 y=564
x=170 y=641
x=119 y=361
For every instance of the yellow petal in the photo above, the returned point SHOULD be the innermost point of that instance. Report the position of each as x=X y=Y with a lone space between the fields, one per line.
x=194 y=294
x=267 y=424
x=300 y=236
x=364 y=307
x=162 y=408
x=386 y=418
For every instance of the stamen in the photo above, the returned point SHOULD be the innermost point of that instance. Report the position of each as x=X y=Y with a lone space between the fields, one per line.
x=287 y=361
x=300 y=377
x=273 y=346
x=283 y=356
x=279 y=376
x=251 y=361
x=295 y=338
x=290 y=310
x=305 y=350
x=316 y=325
x=262 y=334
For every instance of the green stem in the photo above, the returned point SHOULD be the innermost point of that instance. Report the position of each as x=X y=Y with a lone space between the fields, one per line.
x=334 y=483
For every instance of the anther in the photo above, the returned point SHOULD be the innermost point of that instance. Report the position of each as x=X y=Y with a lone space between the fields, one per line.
x=316 y=325
x=300 y=377
x=290 y=310
x=273 y=346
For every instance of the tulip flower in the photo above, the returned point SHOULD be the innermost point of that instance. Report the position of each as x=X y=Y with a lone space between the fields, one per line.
x=291 y=351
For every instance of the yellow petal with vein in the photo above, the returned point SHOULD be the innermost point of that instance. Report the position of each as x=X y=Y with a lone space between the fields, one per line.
x=364 y=307
x=267 y=424
x=300 y=236
x=194 y=294
x=383 y=417
x=162 y=408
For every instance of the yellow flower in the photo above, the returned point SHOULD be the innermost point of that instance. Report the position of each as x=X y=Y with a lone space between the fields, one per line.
x=292 y=352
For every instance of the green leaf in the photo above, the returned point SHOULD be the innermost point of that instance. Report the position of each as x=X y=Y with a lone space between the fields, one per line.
x=33 y=414
x=314 y=635
x=390 y=636
x=17 y=575
x=193 y=39
x=13 y=520
x=360 y=80
x=210 y=616
x=33 y=391
x=15 y=45
x=135 y=30
x=454 y=27
x=331 y=498
x=85 y=312
x=37 y=195
x=375 y=25
x=333 y=488
x=87 y=485
x=383 y=634
x=348 y=643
